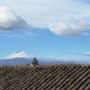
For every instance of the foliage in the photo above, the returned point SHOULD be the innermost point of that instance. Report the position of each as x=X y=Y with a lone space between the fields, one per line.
x=35 y=61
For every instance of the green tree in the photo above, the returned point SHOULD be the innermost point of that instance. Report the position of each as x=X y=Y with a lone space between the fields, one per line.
x=35 y=61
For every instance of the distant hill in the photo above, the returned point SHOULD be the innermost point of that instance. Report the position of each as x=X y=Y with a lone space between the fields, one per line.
x=21 y=57
x=15 y=61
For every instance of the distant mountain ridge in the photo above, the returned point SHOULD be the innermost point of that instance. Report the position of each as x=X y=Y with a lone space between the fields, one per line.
x=18 y=54
x=15 y=61
x=18 y=57
x=21 y=57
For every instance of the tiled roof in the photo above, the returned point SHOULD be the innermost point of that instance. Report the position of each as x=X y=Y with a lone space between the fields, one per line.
x=45 y=77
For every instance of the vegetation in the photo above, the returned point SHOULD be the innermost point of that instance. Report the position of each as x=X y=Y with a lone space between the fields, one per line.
x=35 y=61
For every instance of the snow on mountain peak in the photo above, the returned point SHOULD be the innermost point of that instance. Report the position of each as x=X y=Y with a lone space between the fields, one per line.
x=18 y=54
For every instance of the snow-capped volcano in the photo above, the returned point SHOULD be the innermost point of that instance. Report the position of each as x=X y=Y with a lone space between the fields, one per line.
x=18 y=54
x=19 y=57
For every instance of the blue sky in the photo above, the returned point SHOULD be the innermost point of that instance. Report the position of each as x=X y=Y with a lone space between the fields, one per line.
x=46 y=28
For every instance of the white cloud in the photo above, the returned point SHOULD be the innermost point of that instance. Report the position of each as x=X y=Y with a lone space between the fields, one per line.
x=19 y=54
x=39 y=13
x=9 y=19
x=85 y=54
x=19 y=34
x=72 y=27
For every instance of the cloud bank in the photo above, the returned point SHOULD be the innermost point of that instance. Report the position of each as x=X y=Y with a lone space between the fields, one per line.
x=9 y=19
x=70 y=17
x=69 y=28
x=85 y=54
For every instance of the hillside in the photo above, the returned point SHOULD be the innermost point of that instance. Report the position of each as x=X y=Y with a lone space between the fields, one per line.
x=15 y=61
x=45 y=77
